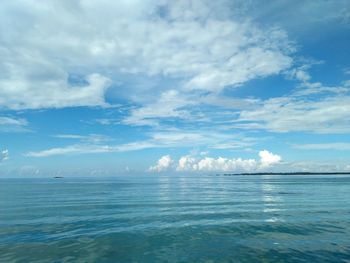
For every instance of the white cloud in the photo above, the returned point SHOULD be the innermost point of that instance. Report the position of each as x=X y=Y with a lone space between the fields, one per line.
x=17 y=93
x=311 y=107
x=224 y=164
x=190 y=42
x=189 y=163
x=90 y=148
x=71 y=149
x=308 y=17
x=163 y=164
x=307 y=87
x=4 y=155
x=285 y=114
x=136 y=146
x=91 y=138
x=12 y=121
x=10 y=124
x=167 y=106
x=93 y=143
x=267 y=158
x=208 y=138
x=170 y=138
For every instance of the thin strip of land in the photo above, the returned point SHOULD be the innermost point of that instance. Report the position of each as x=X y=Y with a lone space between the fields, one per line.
x=289 y=173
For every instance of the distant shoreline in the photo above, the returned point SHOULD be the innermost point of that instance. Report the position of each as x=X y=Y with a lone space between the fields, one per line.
x=287 y=173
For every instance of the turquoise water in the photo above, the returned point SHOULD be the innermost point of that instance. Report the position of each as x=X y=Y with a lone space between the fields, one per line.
x=176 y=219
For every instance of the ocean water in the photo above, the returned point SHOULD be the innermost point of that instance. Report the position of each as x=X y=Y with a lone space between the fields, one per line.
x=163 y=218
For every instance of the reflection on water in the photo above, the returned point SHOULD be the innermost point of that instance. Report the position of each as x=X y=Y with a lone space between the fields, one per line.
x=176 y=219
x=273 y=202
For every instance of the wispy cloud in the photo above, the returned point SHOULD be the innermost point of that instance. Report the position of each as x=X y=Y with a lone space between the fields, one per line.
x=158 y=139
x=285 y=114
x=11 y=124
x=91 y=138
x=306 y=17
x=337 y=146
x=72 y=149
x=91 y=148
x=12 y=121
x=166 y=107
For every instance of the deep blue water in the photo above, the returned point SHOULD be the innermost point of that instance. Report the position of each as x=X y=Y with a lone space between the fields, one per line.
x=176 y=219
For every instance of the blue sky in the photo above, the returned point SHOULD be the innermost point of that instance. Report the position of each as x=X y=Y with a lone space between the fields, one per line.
x=129 y=87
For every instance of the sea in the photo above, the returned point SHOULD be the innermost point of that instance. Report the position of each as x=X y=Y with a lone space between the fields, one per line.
x=176 y=218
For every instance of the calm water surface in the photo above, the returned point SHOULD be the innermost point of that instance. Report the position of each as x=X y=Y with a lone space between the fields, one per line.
x=176 y=219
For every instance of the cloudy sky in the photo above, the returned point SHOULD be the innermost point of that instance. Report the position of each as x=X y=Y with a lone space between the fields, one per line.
x=139 y=86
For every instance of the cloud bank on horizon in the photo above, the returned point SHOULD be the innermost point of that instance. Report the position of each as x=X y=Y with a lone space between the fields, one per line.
x=99 y=84
x=191 y=163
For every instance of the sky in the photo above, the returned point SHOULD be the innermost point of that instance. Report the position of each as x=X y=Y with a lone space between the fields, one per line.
x=103 y=88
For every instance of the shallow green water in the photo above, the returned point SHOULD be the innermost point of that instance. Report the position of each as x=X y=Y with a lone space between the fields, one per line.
x=176 y=219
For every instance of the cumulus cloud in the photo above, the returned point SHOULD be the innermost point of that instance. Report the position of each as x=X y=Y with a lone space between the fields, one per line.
x=163 y=164
x=191 y=163
x=267 y=158
x=190 y=42
x=187 y=163
x=4 y=155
